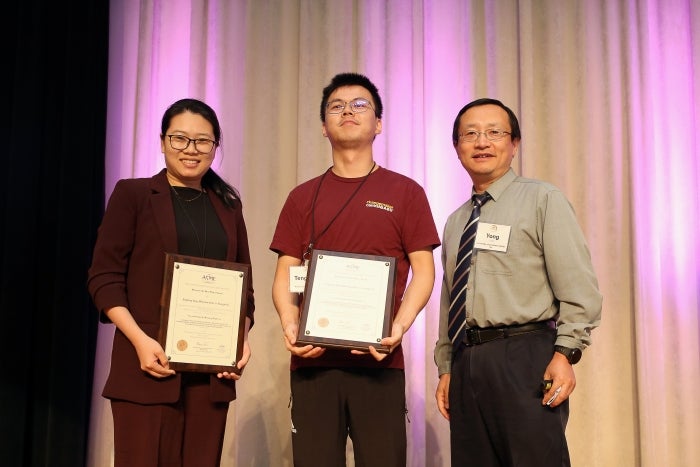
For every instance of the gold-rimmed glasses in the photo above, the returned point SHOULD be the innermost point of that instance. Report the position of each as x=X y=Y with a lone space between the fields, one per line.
x=357 y=105
x=492 y=134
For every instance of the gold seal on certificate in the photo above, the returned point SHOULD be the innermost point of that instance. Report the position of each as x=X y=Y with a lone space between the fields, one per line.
x=203 y=310
x=348 y=301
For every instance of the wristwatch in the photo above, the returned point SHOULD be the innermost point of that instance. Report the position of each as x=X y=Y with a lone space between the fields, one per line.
x=572 y=355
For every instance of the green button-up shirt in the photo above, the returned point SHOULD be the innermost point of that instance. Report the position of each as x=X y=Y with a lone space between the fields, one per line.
x=545 y=273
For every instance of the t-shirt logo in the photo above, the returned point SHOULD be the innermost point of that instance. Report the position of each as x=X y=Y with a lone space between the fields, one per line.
x=378 y=205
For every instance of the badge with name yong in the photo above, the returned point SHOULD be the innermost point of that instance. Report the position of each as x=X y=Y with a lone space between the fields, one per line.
x=203 y=311
x=492 y=237
x=348 y=301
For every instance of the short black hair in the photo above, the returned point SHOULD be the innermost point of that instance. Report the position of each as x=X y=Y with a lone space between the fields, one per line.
x=351 y=79
x=513 y=120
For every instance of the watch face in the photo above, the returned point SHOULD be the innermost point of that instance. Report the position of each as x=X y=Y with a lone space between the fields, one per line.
x=574 y=356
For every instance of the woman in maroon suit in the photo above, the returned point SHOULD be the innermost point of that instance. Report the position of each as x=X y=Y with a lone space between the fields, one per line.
x=162 y=417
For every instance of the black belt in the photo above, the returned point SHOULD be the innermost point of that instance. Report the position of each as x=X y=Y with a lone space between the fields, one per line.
x=476 y=336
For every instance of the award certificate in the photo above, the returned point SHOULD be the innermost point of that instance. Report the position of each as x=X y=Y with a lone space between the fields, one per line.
x=203 y=311
x=348 y=300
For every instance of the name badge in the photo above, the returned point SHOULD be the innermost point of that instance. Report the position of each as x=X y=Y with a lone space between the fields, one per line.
x=297 y=279
x=492 y=237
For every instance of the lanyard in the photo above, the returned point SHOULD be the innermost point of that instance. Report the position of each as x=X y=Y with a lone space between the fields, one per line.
x=314 y=238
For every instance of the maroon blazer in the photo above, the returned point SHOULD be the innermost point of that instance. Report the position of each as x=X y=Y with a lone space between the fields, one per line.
x=128 y=263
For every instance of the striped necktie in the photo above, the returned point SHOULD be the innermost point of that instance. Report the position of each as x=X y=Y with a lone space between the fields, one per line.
x=457 y=318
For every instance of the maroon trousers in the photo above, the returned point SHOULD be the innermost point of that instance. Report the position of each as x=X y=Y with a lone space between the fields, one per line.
x=189 y=433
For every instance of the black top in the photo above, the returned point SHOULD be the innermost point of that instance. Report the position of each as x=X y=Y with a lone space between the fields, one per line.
x=199 y=231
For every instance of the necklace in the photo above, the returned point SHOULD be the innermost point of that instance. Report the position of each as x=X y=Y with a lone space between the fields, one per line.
x=201 y=245
x=197 y=196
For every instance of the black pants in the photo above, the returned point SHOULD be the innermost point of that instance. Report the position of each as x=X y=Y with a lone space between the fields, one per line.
x=328 y=405
x=496 y=413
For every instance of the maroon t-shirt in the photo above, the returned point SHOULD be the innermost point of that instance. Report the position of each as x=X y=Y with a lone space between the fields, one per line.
x=388 y=216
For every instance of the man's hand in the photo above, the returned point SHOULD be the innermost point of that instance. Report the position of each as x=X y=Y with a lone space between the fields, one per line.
x=563 y=379
x=392 y=342
x=442 y=395
x=291 y=330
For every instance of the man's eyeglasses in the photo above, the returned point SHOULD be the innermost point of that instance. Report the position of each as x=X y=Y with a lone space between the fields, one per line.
x=358 y=105
x=492 y=134
x=201 y=145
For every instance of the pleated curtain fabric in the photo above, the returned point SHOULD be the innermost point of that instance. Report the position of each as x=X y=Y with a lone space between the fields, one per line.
x=458 y=294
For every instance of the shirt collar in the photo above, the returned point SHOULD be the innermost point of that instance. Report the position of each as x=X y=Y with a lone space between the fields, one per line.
x=499 y=186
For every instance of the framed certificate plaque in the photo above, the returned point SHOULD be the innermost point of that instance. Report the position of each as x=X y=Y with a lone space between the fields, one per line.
x=203 y=311
x=348 y=301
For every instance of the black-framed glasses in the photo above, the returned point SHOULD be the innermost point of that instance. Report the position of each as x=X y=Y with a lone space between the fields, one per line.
x=358 y=105
x=201 y=145
x=492 y=134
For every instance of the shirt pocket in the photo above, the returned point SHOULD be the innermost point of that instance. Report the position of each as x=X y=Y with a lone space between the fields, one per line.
x=493 y=262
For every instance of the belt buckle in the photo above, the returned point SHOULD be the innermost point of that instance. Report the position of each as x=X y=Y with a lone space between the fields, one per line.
x=473 y=336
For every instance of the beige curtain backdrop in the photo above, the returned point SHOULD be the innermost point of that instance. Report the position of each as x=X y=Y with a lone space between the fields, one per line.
x=607 y=96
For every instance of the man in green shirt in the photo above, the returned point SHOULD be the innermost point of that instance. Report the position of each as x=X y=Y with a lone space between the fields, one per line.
x=519 y=300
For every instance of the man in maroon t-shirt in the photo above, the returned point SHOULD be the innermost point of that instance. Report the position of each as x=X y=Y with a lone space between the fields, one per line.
x=354 y=207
